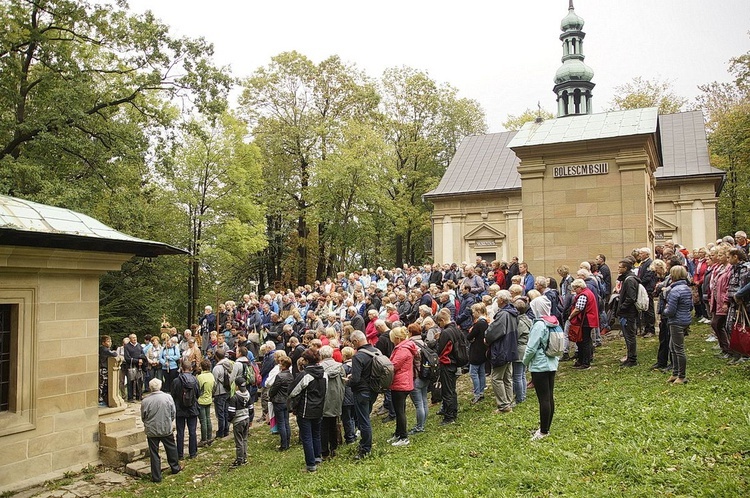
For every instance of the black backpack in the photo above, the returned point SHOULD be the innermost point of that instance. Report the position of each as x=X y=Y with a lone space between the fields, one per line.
x=428 y=368
x=460 y=348
x=187 y=397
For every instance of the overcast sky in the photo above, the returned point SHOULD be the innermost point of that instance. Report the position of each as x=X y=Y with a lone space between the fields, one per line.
x=502 y=53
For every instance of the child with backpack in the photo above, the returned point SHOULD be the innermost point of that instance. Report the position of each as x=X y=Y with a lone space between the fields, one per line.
x=545 y=346
x=241 y=413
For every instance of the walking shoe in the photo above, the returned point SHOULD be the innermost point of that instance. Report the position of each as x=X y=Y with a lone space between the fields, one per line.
x=507 y=409
x=311 y=469
x=656 y=366
x=415 y=431
x=237 y=463
x=538 y=435
x=382 y=411
x=582 y=367
x=392 y=439
x=565 y=357
x=448 y=421
x=711 y=338
x=476 y=399
x=389 y=418
x=649 y=335
x=679 y=381
x=628 y=364
x=361 y=455
x=672 y=378
x=401 y=442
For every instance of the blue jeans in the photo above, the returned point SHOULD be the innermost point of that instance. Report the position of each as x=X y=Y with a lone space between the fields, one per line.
x=222 y=412
x=478 y=379
x=192 y=425
x=282 y=423
x=348 y=421
x=421 y=403
x=309 y=433
x=362 y=407
x=519 y=381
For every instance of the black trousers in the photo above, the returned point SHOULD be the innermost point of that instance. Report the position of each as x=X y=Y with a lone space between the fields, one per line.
x=330 y=436
x=544 y=385
x=649 y=318
x=399 y=405
x=662 y=356
x=448 y=391
x=153 y=451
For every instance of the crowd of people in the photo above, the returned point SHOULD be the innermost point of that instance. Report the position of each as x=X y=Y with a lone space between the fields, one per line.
x=326 y=352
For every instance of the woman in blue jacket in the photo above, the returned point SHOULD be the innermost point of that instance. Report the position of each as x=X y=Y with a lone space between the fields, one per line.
x=542 y=368
x=679 y=306
x=170 y=356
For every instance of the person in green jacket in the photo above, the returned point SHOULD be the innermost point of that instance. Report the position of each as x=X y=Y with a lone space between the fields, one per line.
x=542 y=368
x=206 y=383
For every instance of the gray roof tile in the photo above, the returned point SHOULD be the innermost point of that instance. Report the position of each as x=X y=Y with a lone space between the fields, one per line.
x=485 y=163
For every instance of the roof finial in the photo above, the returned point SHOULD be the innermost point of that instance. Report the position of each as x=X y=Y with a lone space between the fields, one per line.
x=570 y=5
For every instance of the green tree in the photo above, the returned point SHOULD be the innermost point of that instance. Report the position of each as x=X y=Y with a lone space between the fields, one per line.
x=300 y=110
x=423 y=123
x=214 y=177
x=640 y=93
x=514 y=123
x=81 y=82
x=727 y=107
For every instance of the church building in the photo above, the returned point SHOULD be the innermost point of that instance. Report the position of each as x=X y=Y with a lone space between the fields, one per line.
x=563 y=190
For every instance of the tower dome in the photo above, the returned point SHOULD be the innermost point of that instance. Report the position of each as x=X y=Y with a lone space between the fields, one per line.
x=573 y=83
x=572 y=21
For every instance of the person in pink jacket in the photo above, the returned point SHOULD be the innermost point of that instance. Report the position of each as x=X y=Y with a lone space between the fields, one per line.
x=402 y=358
x=718 y=298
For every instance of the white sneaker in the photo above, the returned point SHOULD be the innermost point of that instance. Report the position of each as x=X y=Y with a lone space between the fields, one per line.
x=538 y=435
x=392 y=439
x=711 y=338
x=401 y=442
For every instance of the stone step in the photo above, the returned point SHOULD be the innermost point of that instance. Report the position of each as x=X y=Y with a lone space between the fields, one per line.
x=116 y=424
x=142 y=468
x=121 y=439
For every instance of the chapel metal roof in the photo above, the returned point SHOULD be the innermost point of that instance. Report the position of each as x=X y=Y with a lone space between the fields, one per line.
x=26 y=223
x=588 y=127
x=485 y=163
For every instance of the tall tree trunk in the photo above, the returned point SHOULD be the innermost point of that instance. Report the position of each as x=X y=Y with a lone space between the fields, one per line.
x=399 y=251
x=320 y=272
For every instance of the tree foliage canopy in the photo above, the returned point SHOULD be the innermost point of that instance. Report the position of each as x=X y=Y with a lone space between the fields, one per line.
x=639 y=93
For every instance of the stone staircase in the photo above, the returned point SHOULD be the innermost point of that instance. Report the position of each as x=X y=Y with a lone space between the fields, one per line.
x=122 y=439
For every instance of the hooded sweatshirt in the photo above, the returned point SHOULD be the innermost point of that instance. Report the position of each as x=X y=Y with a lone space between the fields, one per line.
x=308 y=392
x=335 y=390
x=502 y=336
x=240 y=406
x=534 y=357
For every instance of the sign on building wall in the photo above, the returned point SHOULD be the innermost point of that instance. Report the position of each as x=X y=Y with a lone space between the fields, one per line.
x=581 y=170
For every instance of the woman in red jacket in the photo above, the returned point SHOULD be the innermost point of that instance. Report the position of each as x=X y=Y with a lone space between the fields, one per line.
x=584 y=317
x=403 y=381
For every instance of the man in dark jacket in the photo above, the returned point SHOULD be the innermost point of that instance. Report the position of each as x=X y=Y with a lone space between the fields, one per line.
x=648 y=280
x=308 y=393
x=355 y=319
x=385 y=346
x=502 y=342
x=627 y=311
x=360 y=381
x=464 y=319
x=134 y=361
x=446 y=344
x=187 y=408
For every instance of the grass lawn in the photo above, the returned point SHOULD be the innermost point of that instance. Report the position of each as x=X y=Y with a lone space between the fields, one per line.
x=616 y=432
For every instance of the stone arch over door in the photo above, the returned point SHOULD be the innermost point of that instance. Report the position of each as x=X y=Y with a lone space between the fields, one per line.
x=484 y=239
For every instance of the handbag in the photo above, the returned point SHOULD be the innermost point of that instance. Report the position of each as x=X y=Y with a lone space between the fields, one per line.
x=740 y=339
x=132 y=374
x=575 y=332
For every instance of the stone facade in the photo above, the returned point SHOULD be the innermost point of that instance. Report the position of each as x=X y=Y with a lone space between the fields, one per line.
x=53 y=422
